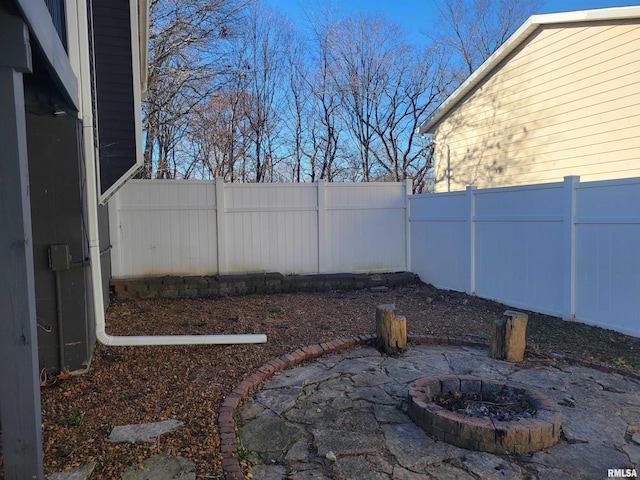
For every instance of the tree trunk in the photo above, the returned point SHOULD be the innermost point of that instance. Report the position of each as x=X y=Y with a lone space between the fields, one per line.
x=508 y=337
x=391 y=330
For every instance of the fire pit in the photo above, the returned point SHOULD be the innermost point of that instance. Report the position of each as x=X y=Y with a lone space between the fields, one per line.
x=487 y=415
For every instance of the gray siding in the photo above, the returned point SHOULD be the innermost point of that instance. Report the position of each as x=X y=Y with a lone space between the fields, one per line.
x=114 y=89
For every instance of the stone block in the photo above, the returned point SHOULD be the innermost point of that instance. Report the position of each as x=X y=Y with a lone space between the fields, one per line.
x=470 y=384
x=172 y=280
x=471 y=429
x=337 y=280
x=148 y=294
x=553 y=418
x=169 y=294
x=445 y=421
x=468 y=443
x=361 y=280
x=449 y=384
x=195 y=282
x=491 y=387
x=138 y=286
x=208 y=292
x=509 y=434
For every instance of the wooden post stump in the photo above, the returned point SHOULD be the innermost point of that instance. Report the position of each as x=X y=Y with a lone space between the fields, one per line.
x=508 y=337
x=391 y=330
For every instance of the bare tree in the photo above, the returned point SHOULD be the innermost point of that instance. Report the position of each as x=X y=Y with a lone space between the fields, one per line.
x=386 y=87
x=234 y=93
x=298 y=103
x=416 y=84
x=474 y=29
x=216 y=139
x=365 y=47
x=326 y=128
x=264 y=35
x=182 y=62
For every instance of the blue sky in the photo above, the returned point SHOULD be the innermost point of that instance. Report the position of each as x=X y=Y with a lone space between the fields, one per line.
x=414 y=15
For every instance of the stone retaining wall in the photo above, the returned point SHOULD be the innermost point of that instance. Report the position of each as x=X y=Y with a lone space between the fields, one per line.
x=222 y=285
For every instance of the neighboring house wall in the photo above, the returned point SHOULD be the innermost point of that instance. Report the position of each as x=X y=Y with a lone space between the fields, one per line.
x=564 y=102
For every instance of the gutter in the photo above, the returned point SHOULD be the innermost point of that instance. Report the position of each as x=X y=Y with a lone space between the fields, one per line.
x=90 y=154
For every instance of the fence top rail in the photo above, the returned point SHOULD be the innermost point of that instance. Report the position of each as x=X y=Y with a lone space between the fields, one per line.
x=457 y=193
x=270 y=185
x=519 y=188
x=178 y=181
x=362 y=184
x=609 y=183
x=153 y=181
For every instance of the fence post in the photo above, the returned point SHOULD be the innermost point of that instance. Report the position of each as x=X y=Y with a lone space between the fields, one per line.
x=471 y=228
x=569 y=247
x=322 y=226
x=408 y=186
x=221 y=227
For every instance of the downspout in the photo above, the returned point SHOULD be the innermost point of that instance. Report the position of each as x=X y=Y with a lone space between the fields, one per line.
x=86 y=116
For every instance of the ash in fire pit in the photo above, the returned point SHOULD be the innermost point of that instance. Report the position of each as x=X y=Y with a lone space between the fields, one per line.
x=506 y=405
x=482 y=414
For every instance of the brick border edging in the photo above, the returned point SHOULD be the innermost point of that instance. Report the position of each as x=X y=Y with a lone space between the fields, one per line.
x=251 y=384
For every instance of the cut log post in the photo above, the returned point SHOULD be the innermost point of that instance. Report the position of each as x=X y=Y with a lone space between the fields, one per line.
x=497 y=339
x=391 y=330
x=508 y=337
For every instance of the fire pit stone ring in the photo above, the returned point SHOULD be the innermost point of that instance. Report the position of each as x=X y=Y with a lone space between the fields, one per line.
x=512 y=437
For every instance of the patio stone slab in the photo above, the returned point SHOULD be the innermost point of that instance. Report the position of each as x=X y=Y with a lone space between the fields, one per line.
x=346 y=443
x=352 y=423
x=162 y=467
x=79 y=473
x=143 y=432
x=269 y=433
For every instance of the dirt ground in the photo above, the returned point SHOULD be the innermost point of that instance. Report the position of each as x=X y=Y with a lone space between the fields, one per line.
x=147 y=384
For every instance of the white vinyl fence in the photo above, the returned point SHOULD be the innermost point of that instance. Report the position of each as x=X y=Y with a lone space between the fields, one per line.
x=189 y=227
x=567 y=249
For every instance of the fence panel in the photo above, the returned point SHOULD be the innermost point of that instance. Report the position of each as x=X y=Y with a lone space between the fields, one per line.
x=608 y=254
x=440 y=239
x=161 y=228
x=567 y=249
x=271 y=228
x=519 y=246
x=203 y=227
x=365 y=227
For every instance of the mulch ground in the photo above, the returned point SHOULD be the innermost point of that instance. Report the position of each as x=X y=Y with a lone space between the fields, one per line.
x=147 y=384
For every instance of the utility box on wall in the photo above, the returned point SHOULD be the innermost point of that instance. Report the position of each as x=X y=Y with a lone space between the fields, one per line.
x=59 y=258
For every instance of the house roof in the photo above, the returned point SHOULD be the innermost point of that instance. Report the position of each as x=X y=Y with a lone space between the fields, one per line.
x=516 y=39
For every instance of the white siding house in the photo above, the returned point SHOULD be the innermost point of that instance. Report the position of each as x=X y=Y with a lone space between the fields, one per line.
x=560 y=97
